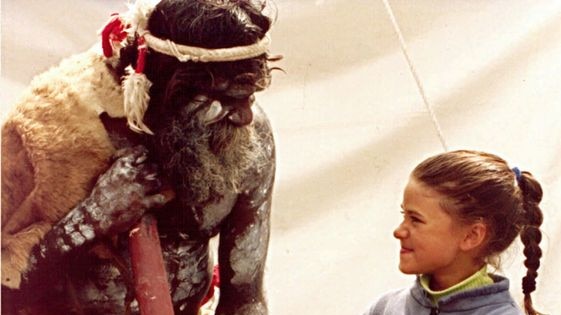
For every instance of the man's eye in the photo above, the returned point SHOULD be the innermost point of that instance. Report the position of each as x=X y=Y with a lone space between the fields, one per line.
x=240 y=91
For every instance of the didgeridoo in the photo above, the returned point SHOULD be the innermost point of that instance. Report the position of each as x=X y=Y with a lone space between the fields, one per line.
x=149 y=273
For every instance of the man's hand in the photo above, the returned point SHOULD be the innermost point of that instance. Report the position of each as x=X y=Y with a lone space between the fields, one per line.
x=124 y=192
x=120 y=197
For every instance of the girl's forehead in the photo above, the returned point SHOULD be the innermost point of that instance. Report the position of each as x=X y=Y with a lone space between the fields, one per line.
x=420 y=198
x=418 y=189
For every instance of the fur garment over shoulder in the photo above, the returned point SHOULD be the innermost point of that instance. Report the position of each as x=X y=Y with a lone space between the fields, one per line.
x=54 y=145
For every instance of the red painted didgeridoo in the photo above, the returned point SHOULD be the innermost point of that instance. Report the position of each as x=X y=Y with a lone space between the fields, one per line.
x=150 y=277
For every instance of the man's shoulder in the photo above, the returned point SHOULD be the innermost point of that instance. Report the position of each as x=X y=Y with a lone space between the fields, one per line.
x=260 y=119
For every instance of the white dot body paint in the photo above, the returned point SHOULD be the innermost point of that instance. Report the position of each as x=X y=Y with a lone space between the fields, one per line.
x=253 y=242
x=87 y=231
x=77 y=239
x=214 y=214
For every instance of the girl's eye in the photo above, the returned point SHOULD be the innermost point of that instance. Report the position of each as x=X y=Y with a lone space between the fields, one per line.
x=413 y=218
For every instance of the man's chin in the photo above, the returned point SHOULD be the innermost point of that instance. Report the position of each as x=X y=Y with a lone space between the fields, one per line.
x=226 y=137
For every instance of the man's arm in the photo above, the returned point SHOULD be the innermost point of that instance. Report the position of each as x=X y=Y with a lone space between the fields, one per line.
x=242 y=255
x=244 y=240
x=120 y=197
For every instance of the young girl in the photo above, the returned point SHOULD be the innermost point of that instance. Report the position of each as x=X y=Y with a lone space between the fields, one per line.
x=462 y=209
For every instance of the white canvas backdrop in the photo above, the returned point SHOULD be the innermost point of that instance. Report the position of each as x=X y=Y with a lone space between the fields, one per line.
x=350 y=123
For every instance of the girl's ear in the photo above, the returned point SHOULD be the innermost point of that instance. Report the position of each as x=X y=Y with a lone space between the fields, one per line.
x=474 y=237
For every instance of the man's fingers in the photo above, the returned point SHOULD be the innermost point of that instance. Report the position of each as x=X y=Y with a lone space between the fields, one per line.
x=132 y=153
x=148 y=170
x=141 y=158
x=147 y=174
x=158 y=200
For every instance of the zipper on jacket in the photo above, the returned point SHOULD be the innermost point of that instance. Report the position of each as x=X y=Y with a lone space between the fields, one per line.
x=434 y=310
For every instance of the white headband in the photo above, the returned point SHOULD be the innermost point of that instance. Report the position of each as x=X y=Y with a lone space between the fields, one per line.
x=186 y=53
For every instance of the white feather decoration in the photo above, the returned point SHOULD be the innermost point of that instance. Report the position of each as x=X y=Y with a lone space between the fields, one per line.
x=138 y=14
x=135 y=88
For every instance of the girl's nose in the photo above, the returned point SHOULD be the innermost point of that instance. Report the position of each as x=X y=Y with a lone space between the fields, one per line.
x=400 y=232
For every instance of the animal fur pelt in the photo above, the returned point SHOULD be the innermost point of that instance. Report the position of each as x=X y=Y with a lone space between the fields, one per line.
x=54 y=145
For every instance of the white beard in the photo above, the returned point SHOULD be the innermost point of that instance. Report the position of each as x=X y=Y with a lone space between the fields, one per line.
x=205 y=162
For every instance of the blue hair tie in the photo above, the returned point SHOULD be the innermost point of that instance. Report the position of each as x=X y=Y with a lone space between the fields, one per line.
x=517 y=173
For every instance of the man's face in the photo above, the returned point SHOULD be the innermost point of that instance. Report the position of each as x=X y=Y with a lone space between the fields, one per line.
x=207 y=142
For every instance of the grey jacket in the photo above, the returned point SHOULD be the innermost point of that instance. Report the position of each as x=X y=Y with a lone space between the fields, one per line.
x=493 y=299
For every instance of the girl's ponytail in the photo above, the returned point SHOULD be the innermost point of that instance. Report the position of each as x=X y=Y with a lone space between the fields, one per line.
x=530 y=236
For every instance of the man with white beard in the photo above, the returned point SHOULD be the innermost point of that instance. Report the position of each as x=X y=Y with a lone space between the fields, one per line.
x=214 y=147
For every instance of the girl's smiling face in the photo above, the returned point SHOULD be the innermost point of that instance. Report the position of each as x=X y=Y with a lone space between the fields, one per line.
x=430 y=237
